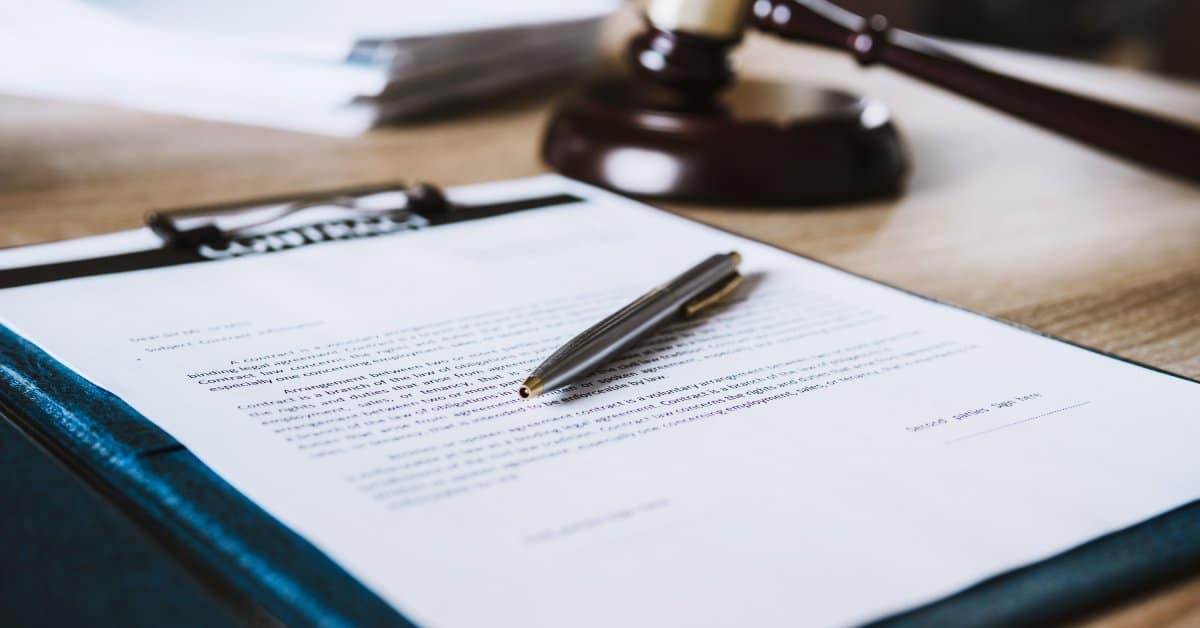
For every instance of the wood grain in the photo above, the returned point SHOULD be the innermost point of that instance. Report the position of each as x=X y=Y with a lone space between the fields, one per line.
x=999 y=217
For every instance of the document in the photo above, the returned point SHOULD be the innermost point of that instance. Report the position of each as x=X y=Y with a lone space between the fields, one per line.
x=293 y=64
x=819 y=449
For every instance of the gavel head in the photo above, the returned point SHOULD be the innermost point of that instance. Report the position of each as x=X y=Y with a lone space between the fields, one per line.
x=686 y=44
x=670 y=132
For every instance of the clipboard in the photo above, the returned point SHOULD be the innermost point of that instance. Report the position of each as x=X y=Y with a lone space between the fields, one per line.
x=260 y=564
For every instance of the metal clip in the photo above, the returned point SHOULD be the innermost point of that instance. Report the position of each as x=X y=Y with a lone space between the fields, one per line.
x=215 y=226
x=706 y=300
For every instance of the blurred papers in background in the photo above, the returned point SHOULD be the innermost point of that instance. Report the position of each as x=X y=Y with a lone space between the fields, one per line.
x=334 y=67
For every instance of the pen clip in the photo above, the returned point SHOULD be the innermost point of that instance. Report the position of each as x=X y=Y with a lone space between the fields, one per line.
x=711 y=297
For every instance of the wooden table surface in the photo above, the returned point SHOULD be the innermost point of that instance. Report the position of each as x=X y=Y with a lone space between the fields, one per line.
x=999 y=217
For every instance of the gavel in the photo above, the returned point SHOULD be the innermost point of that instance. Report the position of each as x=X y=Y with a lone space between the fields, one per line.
x=677 y=130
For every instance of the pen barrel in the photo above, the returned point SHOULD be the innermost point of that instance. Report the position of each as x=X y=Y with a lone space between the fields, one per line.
x=610 y=337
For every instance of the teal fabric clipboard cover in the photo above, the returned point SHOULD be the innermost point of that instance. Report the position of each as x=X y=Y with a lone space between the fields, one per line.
x=266 y=566
x=226 y=536
x=176 y=497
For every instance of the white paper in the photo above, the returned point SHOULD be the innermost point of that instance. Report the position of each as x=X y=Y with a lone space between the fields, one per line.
x=819 y=450
x=115 y=243
x=325 y=29
x=301 y=66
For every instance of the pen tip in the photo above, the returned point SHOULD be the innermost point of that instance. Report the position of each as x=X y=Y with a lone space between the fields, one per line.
x=531 y=388
x=736 y=257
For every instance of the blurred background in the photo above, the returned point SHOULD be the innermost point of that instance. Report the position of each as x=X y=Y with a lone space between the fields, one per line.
x=1155 y=35
x=341 y=67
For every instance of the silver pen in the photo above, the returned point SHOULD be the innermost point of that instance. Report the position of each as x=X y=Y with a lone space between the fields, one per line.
x=697 y=288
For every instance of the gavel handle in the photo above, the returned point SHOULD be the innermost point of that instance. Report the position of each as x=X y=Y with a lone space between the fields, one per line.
x=1168 y=146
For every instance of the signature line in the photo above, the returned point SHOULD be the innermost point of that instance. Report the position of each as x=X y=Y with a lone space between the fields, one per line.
x=1032 y=418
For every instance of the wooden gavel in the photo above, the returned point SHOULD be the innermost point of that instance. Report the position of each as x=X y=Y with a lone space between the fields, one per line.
x=685 y=48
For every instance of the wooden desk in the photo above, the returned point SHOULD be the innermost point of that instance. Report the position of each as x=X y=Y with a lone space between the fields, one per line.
x=999 y=217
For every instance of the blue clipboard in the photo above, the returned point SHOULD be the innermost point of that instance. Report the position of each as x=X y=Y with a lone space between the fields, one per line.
x=265 y=566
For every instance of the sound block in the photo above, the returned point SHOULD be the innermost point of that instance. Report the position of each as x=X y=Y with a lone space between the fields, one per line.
x=759 y=143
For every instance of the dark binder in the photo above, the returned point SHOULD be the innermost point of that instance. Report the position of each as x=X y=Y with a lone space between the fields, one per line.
x=265 y=568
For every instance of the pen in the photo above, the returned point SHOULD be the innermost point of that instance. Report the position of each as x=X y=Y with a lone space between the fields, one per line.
x=682 y=297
